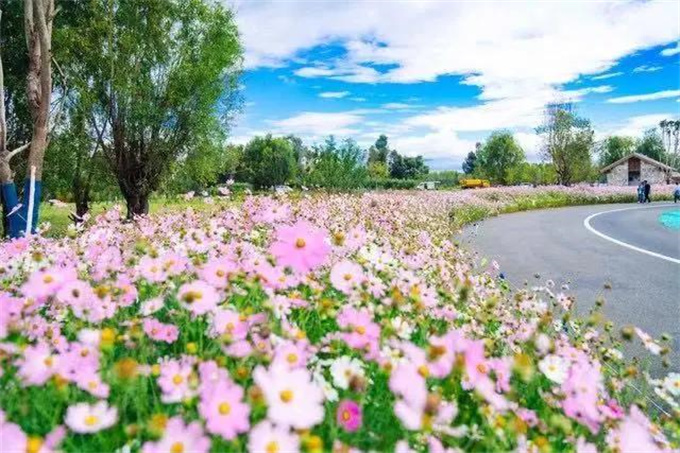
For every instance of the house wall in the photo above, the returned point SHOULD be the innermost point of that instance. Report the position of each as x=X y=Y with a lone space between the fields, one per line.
x=618 y=176
x=652 y=173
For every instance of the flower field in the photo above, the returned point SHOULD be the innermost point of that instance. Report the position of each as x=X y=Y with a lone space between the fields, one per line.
x=311 y=323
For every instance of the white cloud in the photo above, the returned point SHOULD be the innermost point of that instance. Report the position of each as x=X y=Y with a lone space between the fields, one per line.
x=396 y=106
x=334 y=94
x=635 y=126
x=647 y=68
x=607 y=76
x=313 y=125
x=518 y=50
x=645 y=97
x=669 y=52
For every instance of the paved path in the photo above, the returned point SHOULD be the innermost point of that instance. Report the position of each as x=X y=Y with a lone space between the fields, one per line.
x=628 y=248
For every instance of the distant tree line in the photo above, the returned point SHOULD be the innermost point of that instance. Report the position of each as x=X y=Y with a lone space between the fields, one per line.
x=568 y=151
x=267 y=161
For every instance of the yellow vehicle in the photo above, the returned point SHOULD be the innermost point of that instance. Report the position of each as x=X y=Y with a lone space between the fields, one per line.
x=473 y=183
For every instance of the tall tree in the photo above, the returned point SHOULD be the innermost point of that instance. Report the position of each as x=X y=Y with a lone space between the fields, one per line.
x=498 y=155
x=670 y=135
x=379 y=151
x=337 y=165
x=651 y=145
x=269 y=161
x=469 y=163
x=38 y=17
x=614 y=148
x=162 y=75
x=567 y=143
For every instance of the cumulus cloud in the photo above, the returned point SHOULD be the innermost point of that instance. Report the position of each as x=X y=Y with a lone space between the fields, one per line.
x=647 y=68
x=635 y=126
x=314 y=125
x=607 y=76
x=517 y=50
x=645 y=97
x=669 y=52
x=334 y=94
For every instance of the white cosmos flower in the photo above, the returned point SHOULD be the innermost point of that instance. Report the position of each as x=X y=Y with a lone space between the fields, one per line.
x=554 y=367
x=343 y=369
x=402 y=328
x=672 y=384
x=85 y=418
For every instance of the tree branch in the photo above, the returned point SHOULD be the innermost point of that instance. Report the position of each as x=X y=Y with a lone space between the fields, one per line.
x=18 y=150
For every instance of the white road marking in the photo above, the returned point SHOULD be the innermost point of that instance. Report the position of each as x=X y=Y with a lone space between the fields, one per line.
x=586 y=223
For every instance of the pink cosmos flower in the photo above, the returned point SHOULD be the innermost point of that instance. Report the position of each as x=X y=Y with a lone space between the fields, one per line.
x=409 y=386
x=38 y=364
x=159 y=331
x=45 y=283
x=12 y=438
x=180 y=437
x=360 y=322
x=151 y=269
x=291 y=354
x=266 y=437
x=302 y=247
x=228 y=324
x=84 y=418
x=198 y=297
x=346 y=276
x=293 y=399
x=349 y=415
x=216 y=272
x=223 y=409
x=174 y=381
x=634 y=434
x=582 y=390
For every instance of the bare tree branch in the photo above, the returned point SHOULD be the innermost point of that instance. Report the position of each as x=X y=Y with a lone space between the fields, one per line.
x=23 y=147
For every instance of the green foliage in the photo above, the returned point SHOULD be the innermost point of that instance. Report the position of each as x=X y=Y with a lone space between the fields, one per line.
x=568 y=141
x=499 y=154
x=269 y=161
x=651 y=145
x=377 y=154
x=446 y=178
x=391 y=184
x=159 y=75
x=378 y=170
x=614 y=148
x=402 y=167
x=336 y=166
x=470 y=163
x=530 y=173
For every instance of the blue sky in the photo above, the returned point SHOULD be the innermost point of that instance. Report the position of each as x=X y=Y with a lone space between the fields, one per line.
x=438 y=76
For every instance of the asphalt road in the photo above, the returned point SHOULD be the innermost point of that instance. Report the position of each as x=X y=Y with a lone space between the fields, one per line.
x=640 y=259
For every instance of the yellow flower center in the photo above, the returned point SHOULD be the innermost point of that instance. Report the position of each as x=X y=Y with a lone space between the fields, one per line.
x=177 y=447
x=220 y=273
x=292 y=358
x=300 y=243
x=347 y=277
x=224 y=408
x=286 y=396
x=177 y=379
x=48 y=279
x=346 y=415
x=482 y=368
x=192 y=296
x=34 y=444
x=360 y=330
x=49 y=361
x=272 y=447
x=91 y=420
x=423 y=371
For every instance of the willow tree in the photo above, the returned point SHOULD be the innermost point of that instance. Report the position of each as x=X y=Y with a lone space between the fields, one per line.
x=38 y=16
x=159 y=76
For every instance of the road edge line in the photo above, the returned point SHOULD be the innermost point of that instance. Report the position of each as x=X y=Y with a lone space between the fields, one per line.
x=589 y=227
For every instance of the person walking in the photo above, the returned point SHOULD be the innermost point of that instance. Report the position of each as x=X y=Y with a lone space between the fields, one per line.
x=641 y=192
x=648 y=189
x=676 y=193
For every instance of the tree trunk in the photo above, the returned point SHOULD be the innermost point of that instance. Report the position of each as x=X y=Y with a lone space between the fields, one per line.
x=137 y=204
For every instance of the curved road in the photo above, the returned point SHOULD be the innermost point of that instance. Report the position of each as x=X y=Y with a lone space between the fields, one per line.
x=586 y=247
